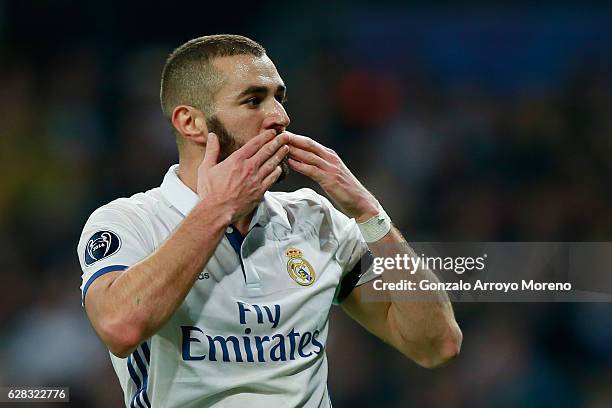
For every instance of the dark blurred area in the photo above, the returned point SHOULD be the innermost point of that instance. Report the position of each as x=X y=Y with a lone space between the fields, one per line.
x=469 y=123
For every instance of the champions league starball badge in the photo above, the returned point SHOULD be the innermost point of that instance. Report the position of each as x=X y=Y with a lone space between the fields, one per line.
x=299 y=268
x=100 y=245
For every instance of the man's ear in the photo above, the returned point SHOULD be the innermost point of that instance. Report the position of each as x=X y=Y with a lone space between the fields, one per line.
x=190 y=123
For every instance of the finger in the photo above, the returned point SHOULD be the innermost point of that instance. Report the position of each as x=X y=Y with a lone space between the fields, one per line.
x=307 y=157
x=308 y=144
x=269 y=149
x=270 y=164
x=306 y=169
x=211 y=155
x=271 y=178
x=252 y=146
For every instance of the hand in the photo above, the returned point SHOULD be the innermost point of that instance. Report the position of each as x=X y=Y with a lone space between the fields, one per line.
x=240 y=181
x=325 y=167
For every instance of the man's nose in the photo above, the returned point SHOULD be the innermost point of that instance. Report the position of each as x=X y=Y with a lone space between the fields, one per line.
x=276 y=117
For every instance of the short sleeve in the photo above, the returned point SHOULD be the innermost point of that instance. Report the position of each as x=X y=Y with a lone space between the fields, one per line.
x=111 y=240
x=352 y=254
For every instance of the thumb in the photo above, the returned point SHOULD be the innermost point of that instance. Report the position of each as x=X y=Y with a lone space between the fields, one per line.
x=212 y=151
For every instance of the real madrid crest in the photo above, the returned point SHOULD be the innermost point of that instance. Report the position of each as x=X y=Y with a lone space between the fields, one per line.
x=298 y=268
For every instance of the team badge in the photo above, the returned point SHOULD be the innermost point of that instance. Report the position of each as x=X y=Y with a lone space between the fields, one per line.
x=100 y=245
x=299 y=268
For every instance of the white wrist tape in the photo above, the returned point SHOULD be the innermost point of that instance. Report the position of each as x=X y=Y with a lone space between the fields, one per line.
x=376 y=227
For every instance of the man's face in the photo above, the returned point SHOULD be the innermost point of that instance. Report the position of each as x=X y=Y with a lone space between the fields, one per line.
x=249 y=101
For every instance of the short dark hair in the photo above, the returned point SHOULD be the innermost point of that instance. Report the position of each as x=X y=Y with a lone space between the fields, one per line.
x=189 y=78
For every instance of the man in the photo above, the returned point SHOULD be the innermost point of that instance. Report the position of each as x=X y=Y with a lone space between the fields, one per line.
x=211 y=291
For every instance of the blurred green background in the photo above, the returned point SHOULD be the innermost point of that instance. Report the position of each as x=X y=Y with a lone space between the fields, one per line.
x=471 y=122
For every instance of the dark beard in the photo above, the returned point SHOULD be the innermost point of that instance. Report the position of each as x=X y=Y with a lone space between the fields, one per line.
x=229 y=144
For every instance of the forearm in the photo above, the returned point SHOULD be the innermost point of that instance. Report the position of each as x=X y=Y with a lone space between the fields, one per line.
x=422 y=327
x=143 y=297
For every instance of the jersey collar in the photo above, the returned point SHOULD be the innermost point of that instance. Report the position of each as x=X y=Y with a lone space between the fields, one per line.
x=270 y=210
x=184 y=199
x=177 y=193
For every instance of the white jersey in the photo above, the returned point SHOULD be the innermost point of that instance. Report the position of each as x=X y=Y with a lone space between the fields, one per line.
x=252 y=330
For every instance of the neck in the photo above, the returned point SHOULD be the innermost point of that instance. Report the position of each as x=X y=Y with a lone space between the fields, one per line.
x=188 y=174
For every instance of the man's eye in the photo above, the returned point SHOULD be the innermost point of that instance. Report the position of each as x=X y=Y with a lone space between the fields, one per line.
x=282 y=99
x=253 y=101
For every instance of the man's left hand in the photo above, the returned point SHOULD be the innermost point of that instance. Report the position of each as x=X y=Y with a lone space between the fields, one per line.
x=324 y=166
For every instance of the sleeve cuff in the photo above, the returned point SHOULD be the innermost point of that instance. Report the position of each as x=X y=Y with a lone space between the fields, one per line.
x=354 y=278
x=105 y=270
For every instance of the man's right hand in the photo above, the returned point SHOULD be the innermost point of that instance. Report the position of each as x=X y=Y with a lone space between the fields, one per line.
x=240 y=181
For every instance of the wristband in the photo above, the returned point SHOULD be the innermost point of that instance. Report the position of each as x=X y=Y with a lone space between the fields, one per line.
x=376 y=227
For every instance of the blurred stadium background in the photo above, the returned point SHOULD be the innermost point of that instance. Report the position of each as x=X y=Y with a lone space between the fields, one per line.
x=480 y=122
